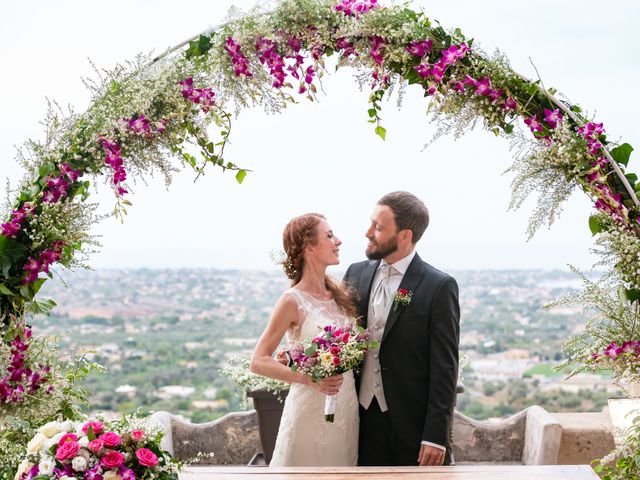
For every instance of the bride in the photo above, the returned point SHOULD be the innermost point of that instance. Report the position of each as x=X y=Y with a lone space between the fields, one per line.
x=313 y=301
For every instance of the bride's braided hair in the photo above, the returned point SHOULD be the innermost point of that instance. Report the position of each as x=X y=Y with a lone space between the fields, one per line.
x=300 y=232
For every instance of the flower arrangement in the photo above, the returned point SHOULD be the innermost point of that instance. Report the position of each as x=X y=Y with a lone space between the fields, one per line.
x=96 y=450
x=401 y=298
x=337 y=350
x=245 y=380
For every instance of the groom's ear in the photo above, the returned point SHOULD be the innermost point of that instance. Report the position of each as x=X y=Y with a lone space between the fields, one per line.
x=406 y=235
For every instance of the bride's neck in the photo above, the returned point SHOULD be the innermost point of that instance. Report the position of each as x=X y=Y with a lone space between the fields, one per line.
x=312 y=280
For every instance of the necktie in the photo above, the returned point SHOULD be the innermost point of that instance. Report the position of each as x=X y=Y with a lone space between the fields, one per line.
x=381 y=294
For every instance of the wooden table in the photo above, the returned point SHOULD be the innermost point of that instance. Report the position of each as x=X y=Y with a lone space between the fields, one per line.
x=459 y=472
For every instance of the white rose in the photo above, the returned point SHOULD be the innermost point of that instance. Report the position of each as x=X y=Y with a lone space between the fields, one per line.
x=83 y=441
x=84 y=454
x=50 y=429
x=24 y=466
x=79 y=464
x=65 y=477
x=68 y=426
x=46 y=466
x=37 y=443
x=111 y=475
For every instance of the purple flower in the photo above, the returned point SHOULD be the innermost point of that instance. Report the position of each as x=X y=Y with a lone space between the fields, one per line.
x=420 y=48
x=483 y=86
x=629 y=347
x=510 y=104
x=239 y=61
x=377 y=44
x=454 y=53
x=346 y=47
x=613 y=350
x=437 y=72
x=423 y=69
x=533 y=124
x=458 y=86
x=552 y=117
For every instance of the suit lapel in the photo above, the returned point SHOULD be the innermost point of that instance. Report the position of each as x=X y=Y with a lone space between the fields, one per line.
x=412 y=278
x=364 y=288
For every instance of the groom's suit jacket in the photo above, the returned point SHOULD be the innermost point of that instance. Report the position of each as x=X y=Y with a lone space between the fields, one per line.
x=419 y=350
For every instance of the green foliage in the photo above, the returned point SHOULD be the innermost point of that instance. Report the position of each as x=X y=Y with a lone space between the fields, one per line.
x=624 y=462
x=622 y=153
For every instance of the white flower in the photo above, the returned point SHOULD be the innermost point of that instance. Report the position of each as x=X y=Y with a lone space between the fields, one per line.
x=24 y=466
x=37 y=443
x=83 y=441
x=50 y=429
x=46 y=466
x=68 y=426
x=111 y=475
x=66 y=477
x=79 y=464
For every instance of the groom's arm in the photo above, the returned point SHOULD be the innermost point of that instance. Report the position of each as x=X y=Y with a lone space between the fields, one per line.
x=444 y=334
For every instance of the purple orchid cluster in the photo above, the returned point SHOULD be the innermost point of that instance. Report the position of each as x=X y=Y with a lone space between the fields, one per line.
x=142 y=126
x=48 y=256
x=356 y=7
x=630 y=348
x=279 y=66
x=113 y=158
x=58 y=186
x=201 y=96
x=20 y=379
x=14 y=225
x=347 y=48
x=240 y=62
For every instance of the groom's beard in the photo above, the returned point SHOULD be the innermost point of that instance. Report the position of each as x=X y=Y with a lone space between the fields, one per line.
x=380 y=251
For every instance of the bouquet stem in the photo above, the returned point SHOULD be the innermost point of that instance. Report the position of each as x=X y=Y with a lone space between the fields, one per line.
x=330 y=403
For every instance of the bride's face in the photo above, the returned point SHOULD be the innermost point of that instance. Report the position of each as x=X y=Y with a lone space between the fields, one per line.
x=326 y=249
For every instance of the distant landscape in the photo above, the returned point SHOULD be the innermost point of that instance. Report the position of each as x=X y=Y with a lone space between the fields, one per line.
x=163 y=336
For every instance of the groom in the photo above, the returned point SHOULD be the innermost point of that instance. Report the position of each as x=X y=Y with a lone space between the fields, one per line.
x=407 y=387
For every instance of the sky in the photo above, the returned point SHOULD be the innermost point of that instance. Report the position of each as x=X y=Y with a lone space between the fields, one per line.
x=324 y=157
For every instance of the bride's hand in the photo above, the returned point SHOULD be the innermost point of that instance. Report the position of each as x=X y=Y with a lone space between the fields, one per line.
x=329 y=385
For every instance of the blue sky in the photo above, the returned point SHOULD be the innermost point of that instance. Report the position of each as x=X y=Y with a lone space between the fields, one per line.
x=324 y=157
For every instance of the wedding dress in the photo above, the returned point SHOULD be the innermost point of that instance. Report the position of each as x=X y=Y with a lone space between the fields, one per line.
x=304 y=437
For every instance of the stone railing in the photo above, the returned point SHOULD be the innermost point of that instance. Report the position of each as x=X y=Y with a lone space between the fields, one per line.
x=531 y=437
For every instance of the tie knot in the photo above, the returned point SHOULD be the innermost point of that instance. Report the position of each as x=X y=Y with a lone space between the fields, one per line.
x=386 y=270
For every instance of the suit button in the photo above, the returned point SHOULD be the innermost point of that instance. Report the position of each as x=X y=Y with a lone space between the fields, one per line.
x=376 y=385
x=376 y=355
x=377 y=370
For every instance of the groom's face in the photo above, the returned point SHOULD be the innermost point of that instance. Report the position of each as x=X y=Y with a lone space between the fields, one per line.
x=382 y=234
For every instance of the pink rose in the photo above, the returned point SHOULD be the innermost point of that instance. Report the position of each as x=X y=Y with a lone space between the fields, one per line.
x=67 y=450
x=335 y=349
x=345 y=338
x=95 y=445
x=146 y=457
x=112 y=459
x=98 y=427
x=69 y=437
x=138 y=435
x=336 y=360
x=110 y=439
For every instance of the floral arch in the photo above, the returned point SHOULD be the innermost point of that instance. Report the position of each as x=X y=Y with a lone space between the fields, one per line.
x=157 y=109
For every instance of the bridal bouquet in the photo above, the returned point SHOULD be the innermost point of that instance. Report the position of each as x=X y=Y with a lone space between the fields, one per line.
x=337 y=350
x=96 y=451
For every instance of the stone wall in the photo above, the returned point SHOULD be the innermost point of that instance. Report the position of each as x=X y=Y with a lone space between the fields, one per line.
x=532 y=436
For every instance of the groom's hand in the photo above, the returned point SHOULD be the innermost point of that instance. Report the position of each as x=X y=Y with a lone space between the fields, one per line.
x=430 y=456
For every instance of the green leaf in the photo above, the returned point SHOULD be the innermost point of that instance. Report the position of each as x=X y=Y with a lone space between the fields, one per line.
x=508 y=128
x=621 y=153
x=633 y=179
x=199 y=47
x=632 y=294
x=11 y=249
x=240 y=175
x=371 y=112
x=575 y=108
x=4 y=290
x=311 y=351
x=381 y=132
x=595 y=225
x=43 y=307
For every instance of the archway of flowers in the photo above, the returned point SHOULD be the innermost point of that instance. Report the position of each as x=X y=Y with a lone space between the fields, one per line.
x=154 y=110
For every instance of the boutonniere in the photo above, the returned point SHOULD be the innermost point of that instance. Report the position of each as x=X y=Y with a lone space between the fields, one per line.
x=401 y=298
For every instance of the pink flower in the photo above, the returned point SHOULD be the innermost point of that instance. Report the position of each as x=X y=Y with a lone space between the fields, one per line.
x=377 y=44
x=533 y=124
x=97 y=427
x=345 y=338
x=336 y=360
x=458 y=87
x=510 y=104
x=67 y=450
x=335 y=350
x=420 y=48
x=423 y=69
x=454 y=53
x=112 y=459
x=146 y=457
x=95 y=445
x=68 y=437
x=483 y=87
x=111 y=439
x=552 y=117
x=138 y=435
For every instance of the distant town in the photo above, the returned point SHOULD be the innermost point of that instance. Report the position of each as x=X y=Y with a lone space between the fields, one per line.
x=164 y=335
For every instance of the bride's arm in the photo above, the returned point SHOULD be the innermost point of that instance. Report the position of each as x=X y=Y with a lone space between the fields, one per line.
x=285 y=314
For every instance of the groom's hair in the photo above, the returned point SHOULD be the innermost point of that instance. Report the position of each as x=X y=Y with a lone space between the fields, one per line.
x=409 y=212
